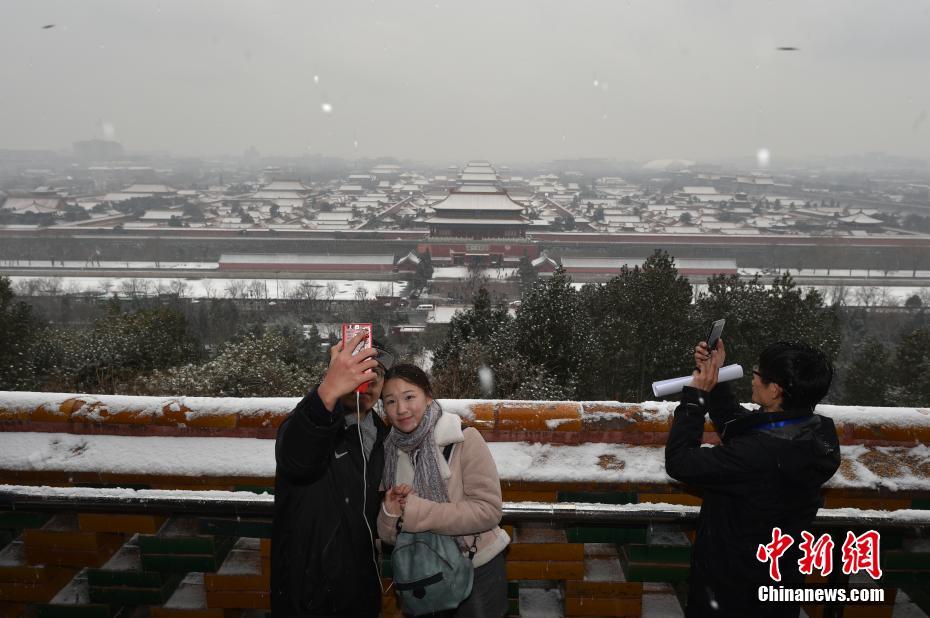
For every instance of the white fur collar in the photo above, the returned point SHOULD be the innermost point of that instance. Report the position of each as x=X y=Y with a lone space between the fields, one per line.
x=448 y=429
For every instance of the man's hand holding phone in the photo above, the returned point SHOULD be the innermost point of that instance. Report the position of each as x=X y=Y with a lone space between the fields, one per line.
x=708 y=363
x=347 y=371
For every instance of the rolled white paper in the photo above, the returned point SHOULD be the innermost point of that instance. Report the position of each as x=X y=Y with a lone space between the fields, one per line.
x=663 y=388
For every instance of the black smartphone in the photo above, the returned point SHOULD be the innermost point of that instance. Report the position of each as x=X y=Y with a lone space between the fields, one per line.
x=715 y=331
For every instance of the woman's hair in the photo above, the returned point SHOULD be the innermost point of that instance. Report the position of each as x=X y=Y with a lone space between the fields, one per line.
x=412 y=374
x=803 y=372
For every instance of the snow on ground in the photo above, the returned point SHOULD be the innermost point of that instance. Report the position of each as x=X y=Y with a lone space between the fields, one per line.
x=540 y=602
x=462 y=272
x=338 y=289
x=904 y=607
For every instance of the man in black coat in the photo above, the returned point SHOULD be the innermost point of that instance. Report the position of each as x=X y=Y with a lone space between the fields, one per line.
x=330 y=458
x=768 y=471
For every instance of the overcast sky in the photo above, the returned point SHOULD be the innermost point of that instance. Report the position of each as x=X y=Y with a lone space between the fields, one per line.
x=447 y=81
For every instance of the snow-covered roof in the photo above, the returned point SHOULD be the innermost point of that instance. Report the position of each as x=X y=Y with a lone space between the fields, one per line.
x=617 y=263
x=699 y=190
x=286 y=185
x=122 y=197
x=478 y=177
x=266 y=194
x=160 y=215
x=292 y=258
x=32 y=204
x=861 y=219
x=456 y=221
x=333 y=216
x=149 y=189
x=411 y=257
x=480 y=199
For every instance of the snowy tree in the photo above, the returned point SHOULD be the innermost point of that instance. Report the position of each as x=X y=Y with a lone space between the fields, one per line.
x=911 y=368
x=551 y=329
x=250 y=366
x=17 y=329
x=758 y=315
x=527 y=273
x=870 y=376
x=424 y=271
x=118 y=347
x=639 y=330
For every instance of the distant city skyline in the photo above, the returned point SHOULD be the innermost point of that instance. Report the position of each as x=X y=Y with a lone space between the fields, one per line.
x=441 y=82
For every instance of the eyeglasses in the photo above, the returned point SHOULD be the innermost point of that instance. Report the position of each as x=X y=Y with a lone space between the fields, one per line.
x=755 y=371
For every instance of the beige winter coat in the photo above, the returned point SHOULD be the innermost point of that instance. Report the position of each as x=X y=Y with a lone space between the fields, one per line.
x=474 y=488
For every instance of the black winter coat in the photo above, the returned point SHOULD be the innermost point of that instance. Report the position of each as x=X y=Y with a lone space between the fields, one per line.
x=322 y=552
x=768 y=471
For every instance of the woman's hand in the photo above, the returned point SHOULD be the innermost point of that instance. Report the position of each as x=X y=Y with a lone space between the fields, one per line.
x=395 y=499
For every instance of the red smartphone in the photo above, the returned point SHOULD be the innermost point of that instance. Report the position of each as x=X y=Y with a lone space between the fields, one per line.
x=348 y=332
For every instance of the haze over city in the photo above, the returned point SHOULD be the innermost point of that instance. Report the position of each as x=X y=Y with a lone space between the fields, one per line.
x=444 y=82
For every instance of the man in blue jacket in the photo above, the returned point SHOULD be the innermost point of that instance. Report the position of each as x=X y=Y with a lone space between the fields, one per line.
x=330 y=457
x=768 y=471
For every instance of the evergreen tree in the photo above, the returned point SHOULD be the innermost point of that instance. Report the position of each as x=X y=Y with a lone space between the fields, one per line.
x=17 y=330
x=643 y=329
x=250 y=366
x=527 y=273
x=869 y=377
x=118 y=347
x=424 y=271
x=758 y=315
x=550 y=329
x=911 y=368
x=481 y=323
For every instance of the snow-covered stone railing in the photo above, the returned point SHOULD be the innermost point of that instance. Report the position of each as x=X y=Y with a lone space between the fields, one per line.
x=249 y=504
x=546 y=451
x=562 y=422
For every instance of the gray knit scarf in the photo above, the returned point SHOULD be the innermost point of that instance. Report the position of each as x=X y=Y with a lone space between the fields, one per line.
x=420 y=445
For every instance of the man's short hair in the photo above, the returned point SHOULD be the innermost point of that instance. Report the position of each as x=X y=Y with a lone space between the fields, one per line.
x=803 y=372
x=384 y=356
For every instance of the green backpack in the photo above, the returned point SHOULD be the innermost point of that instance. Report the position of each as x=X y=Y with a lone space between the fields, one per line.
x=430 y=572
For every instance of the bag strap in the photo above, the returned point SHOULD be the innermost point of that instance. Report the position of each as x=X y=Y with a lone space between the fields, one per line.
x=473 y=548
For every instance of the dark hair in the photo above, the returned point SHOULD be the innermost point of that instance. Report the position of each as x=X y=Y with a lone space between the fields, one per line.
x=384 y=356
x=803 y=372
x=412 y=374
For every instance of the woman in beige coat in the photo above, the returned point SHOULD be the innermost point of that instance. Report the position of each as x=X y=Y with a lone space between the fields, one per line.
x=460 y=498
